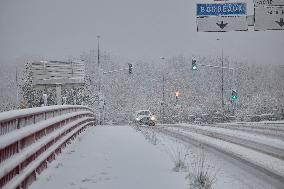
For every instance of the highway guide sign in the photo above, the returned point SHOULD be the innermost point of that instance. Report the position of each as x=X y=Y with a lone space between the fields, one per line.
x=269 y=15
x=221 y=9
x=58 y=72
x=221 y=17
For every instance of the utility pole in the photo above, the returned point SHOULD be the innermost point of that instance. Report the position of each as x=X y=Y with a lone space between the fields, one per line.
x=223 y=104
x=222 y=75
x=163 y=94
x=99 y=65
x=163 y=101
x=101 y=97
x=98 y=37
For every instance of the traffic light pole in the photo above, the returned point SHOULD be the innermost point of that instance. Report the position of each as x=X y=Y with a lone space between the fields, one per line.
x=233 y=97
x=101 y=96
x=102 y=109
x=163 y=103
x=101 y=93
x=222 y=76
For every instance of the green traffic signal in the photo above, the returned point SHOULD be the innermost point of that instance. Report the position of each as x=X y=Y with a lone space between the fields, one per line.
x=194 y=66
x=234 y=95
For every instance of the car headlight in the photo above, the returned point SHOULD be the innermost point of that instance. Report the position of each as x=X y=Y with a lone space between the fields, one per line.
x=153 y=118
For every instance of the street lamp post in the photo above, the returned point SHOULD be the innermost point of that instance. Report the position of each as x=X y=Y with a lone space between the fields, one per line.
x=101 y=101
x=163 y=96
x=99 y=65
x=222 y=75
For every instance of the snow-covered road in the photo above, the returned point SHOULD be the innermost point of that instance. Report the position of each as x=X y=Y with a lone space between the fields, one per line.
x=107 y=157
x=111 y=157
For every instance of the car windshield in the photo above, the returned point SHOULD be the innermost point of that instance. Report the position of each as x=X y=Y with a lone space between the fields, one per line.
x=143 y=113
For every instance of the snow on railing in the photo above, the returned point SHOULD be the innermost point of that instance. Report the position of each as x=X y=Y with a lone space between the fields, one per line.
x=16 y=119
x=30 y=138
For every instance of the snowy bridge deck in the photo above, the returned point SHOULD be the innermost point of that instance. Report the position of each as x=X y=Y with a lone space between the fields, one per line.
x=108 y=157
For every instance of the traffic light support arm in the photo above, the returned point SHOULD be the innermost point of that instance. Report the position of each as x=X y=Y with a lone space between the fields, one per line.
x=212 y=66
x=114 y=71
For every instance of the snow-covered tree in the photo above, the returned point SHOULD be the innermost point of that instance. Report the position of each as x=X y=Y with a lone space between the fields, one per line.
x=260 y=88
x=31 y=96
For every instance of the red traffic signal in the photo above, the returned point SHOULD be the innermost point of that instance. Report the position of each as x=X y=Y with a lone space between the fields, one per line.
x=177 y=93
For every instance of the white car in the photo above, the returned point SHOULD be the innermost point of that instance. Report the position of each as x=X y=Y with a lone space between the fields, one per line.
x=144 y=117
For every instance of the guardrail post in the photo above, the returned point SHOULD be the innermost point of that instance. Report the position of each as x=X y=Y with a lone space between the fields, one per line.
x=18 y=123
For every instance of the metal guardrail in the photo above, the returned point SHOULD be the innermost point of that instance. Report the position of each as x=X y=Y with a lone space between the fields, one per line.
x=30 y=138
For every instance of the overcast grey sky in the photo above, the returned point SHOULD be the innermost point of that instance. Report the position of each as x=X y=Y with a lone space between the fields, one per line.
x=56 y=29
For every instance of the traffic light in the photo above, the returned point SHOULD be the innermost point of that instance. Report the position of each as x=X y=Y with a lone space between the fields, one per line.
x=130 y=68
x=177 y=93
x=234 y=95
x=194 y=66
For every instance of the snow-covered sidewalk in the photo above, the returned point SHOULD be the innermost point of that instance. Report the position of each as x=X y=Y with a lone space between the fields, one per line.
x=111 y=157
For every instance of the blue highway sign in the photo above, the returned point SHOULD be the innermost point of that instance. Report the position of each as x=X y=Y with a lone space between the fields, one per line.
x=219 y=9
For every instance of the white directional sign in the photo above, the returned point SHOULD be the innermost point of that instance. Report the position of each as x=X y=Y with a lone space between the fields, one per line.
x=269 y=18
x=222 y=23
x=221 y=17
x=58 y=72
x=269 y=14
